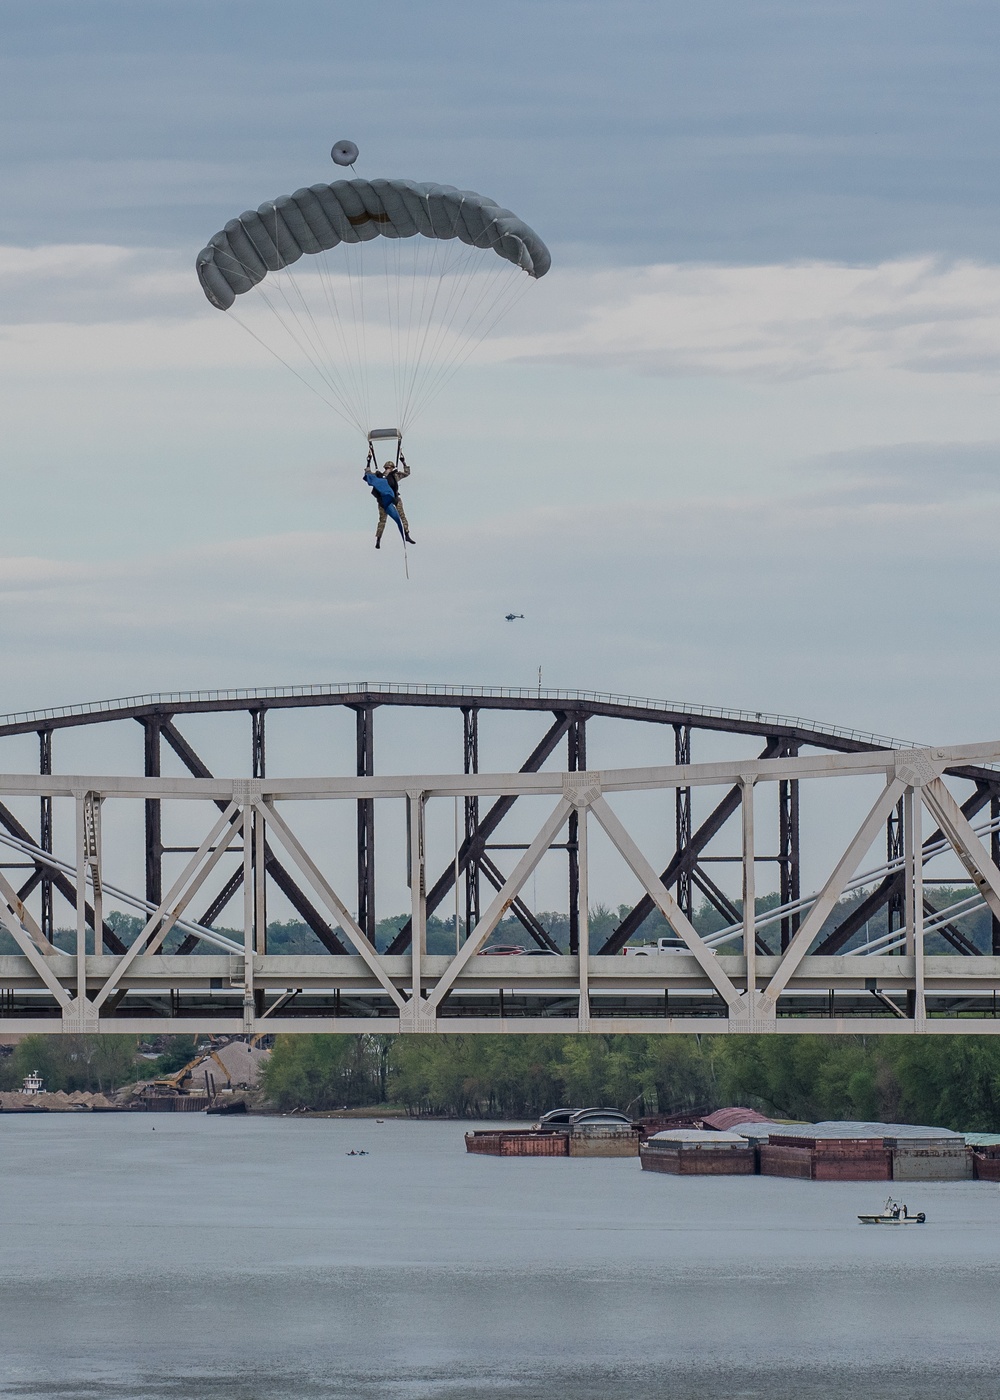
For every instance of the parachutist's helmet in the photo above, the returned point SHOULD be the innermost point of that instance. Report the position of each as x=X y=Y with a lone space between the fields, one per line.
x=389 y=466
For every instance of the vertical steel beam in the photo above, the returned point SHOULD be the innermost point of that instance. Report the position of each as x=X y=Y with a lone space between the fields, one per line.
x=154 y=832
x=255 y=836
x=895 y=850
x=45 y=832
x=749 y=890
x=789 y=866
x=418 y=895
x=472 y=870
x=995 y=858
x=257 y=742
x=915 y=914
x=583 y=1005
x=365 y=735
x=81 y=908
x=576 y=740
x=682 y=820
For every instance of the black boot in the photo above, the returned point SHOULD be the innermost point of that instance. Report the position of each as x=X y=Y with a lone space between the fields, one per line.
x=378 y=544
x=410 y=539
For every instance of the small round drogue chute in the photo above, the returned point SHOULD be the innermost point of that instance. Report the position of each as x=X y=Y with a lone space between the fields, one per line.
x=373 y=292
x=344 y=153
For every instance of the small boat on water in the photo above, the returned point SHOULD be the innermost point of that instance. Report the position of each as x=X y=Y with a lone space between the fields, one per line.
x=893 y=1213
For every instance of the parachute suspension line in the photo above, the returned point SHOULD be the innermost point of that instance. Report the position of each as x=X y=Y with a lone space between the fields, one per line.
x=347 y=358
x=355 y=284
x=327 y=282
x=499 y=289
x=324 y=361
x=392 y=249
x=457 y=289
x=301 y=378
x=300 y=340
x=434 y=255
x=302 y=344
x=508 y=287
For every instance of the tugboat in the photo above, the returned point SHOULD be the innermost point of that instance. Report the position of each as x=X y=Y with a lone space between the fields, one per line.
x=893 y=1214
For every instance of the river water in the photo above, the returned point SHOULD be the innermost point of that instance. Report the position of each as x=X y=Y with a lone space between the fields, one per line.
x=195 y=1258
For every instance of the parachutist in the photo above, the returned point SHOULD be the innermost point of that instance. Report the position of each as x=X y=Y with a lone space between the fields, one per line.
x=385 y=489
x=385 y=494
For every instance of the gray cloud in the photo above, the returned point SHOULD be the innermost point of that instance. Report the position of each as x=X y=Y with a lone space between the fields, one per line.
x=653 y=132
x=909 y=473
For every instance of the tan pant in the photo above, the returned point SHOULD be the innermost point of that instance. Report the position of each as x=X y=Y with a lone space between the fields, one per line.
x=383 y=517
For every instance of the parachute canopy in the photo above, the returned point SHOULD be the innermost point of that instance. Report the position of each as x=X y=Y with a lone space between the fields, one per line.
x=447 y=264
x=316 y=219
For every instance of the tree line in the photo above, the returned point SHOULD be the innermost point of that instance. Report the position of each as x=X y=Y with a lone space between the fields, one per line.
x=944 y=1081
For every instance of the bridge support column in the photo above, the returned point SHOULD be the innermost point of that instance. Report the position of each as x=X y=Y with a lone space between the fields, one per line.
x=470 y=726
x=913 y=897
x=682 y=820
x=579 y=814
x=895 y=850
x=154 y=832
x=749 y=891
x=45 y=831
x=365 y=735
x=576 y=740
x=788 y=849
x=256 y=834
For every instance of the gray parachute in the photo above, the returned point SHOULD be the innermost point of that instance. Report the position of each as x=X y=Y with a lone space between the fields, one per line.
x=316 y=219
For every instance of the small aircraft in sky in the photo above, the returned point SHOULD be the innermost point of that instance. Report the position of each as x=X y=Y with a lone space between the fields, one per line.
x=513 y=617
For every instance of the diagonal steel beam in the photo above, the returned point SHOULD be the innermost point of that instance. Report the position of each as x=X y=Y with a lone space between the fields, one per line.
x=665 y=902
x=951 y=934
x=684 y=861
x=964 y=841
x=724 y=904
x=518 y=907
x=827 y=898
x=31 y=883
x=60 y=880
x=472 y=849
x=170 y=908
x=190 y=941
x=296 y=896
x=501 y=903
x=31 y=941
x=330 y=898
x=891 y=885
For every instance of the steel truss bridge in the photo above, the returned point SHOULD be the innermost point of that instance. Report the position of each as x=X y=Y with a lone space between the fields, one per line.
x=795 y=968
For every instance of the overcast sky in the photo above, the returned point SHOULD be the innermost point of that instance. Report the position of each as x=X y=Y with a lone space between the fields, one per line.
x=739 y=447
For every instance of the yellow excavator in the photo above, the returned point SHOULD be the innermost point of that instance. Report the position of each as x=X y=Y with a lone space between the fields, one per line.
x=172 y=1083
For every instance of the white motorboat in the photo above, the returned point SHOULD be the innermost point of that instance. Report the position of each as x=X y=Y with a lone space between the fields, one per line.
x=893 y=1213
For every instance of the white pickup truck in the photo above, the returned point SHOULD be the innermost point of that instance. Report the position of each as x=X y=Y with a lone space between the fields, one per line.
x=662 y=945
